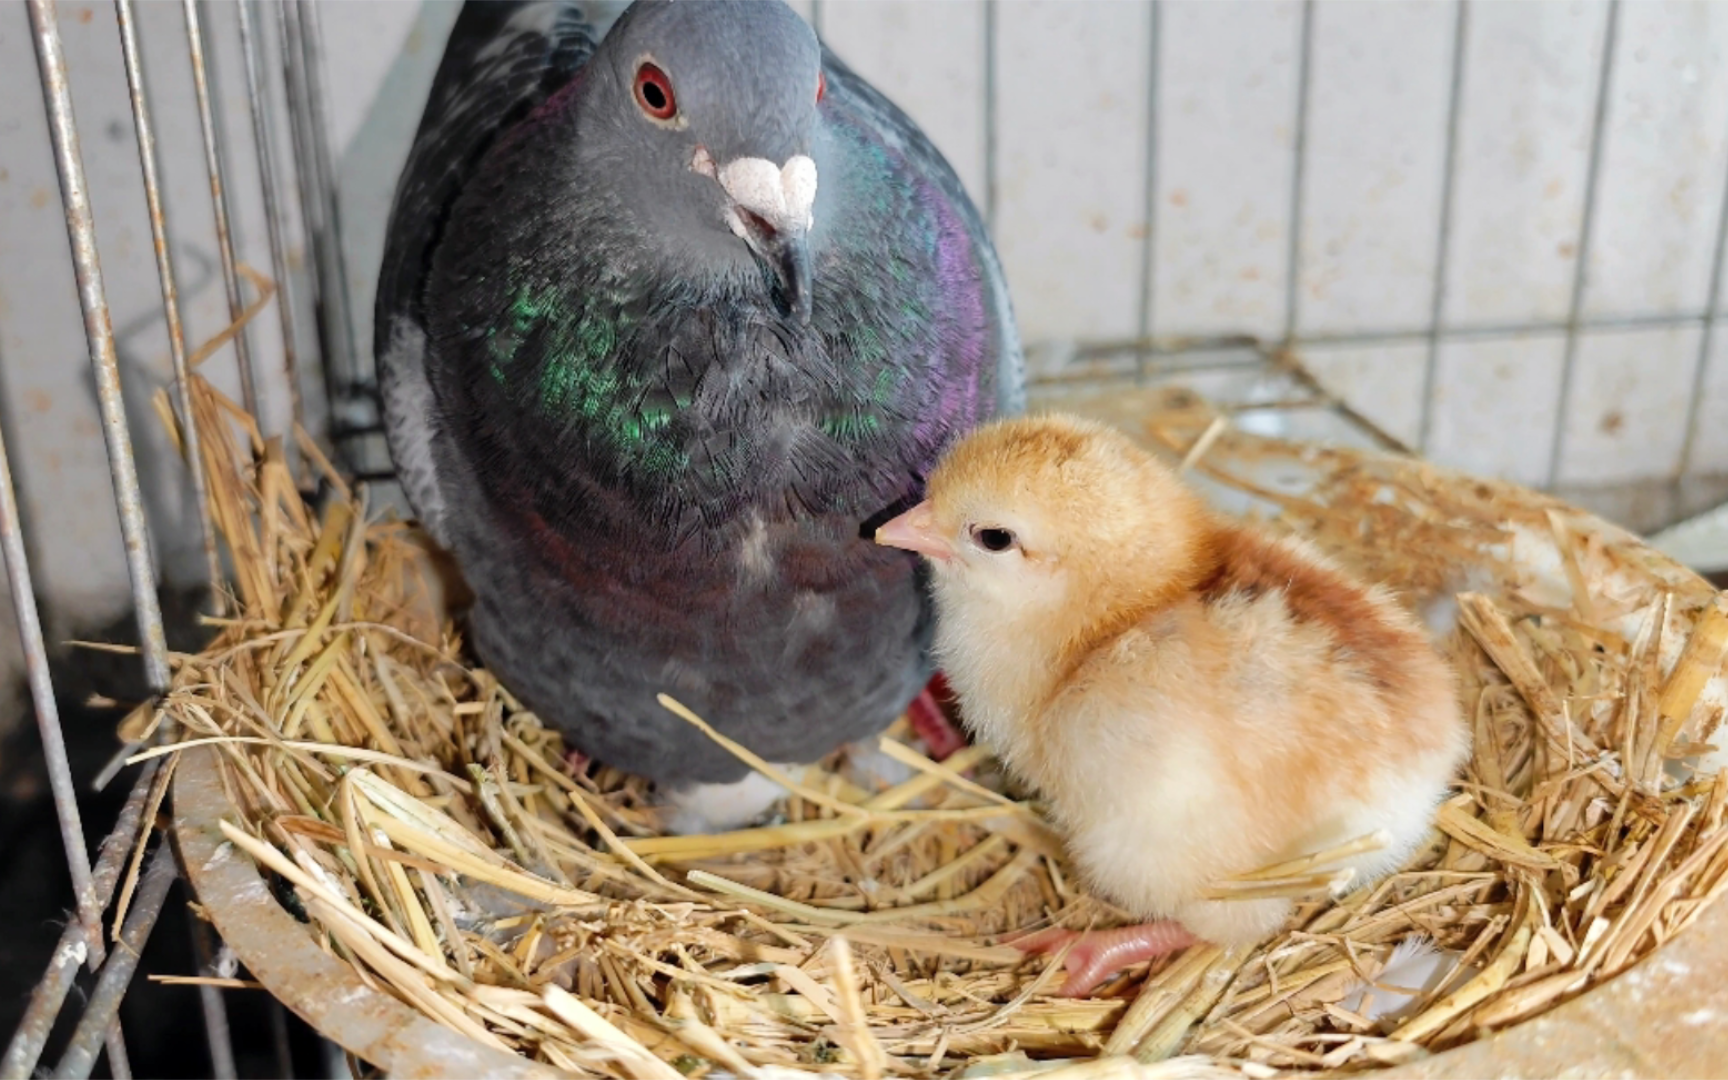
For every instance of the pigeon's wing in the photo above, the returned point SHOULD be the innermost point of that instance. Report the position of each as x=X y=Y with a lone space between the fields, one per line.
x=502 y=60
x=898 y=130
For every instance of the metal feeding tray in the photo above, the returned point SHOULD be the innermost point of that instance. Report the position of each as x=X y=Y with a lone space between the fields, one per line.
x=1666 y=1015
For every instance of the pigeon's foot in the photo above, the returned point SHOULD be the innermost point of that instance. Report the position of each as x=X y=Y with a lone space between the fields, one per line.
x=931 y=723
x=575 y=762
x=1098 y=954
x=713 y=808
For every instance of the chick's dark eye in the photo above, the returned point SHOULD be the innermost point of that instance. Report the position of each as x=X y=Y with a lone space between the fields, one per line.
x=992 y=539
x=654 y=93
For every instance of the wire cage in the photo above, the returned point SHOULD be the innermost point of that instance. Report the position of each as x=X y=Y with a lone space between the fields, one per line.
x=1346 y=318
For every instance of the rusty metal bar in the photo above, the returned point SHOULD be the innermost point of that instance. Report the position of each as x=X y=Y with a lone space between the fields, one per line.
x=306 y=184
x=288 y=38
x=45 y=1001
x=258 y=96
x=116 y=976
x=47 y=711
x=81 y=235
x=81 y=232
x=317 y=177
x=318 y=127
x=170 y=292
x=219 y=205
x=119 y=1063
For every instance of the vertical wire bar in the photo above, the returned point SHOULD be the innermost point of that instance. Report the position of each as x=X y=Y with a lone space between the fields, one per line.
x=1148 y=269
x=80 y=1055
x=333 y=262
x=288 y=38
x=1443 y=245
x=1586 y=232
x=816 y=16
x=281 y=1049
x=216 y=1030
x=312 y=43
x=119 y=1062
x=145 y=128
x=47 y=998
x=99 y=330
x=1694 y=407
x=219 y=204
x=252 y=47
x=47 y=711
x=990 y=141
x=1298 y=176
x=305 y=193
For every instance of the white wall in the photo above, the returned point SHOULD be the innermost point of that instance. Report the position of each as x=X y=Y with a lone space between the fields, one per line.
x=1082 y=120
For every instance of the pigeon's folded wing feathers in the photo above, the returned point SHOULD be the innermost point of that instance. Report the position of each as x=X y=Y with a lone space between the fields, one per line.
x=503 y=60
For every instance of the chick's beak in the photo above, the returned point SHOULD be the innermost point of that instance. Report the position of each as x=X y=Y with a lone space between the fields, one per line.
x=915 y=530
x=771 y=212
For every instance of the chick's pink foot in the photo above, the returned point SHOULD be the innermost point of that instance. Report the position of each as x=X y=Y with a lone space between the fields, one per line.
x=1098 y=954
x=930 y=723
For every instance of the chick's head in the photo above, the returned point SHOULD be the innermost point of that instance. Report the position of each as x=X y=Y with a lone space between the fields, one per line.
x=1035 y=513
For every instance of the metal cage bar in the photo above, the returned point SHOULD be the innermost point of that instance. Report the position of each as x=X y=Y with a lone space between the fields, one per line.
x=263 y=137
x=1443 y=243
x=304 y=72
x=80 y=1055
x=94 y=888
x=1586 y=234
x=1298 y=176
x=73 y=949
x=145 y=127
x=219 y=203
x=1145 y=313
x=99 y=329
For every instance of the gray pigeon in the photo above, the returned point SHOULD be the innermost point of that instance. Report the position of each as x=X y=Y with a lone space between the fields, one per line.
x=666 y=325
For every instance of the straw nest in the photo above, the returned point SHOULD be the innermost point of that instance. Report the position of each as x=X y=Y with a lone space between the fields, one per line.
x=436 y=836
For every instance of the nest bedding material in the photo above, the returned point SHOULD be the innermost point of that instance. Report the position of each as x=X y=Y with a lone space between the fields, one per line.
x=436 y=836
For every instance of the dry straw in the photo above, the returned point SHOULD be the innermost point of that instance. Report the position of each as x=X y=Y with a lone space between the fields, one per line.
x=435 y=836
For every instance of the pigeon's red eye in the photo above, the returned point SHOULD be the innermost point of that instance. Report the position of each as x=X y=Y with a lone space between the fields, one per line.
x=821 y=87
x=654 y=93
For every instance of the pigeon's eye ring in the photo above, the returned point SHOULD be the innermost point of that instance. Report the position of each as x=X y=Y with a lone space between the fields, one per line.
x=993 y=539
x=654 y=93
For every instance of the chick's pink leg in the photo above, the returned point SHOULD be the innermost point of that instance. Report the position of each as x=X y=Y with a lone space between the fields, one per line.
x=1098 y=954
x=930 y=723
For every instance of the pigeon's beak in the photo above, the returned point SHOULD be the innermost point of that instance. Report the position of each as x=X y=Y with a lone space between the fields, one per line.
x=915 y=530
x=770 y=212
x=788 y=254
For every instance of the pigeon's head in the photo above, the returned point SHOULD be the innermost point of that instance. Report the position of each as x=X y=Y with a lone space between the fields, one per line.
x=702 y=117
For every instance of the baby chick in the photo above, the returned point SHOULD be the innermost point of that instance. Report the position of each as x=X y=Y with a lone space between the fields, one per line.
x=1195 y=699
